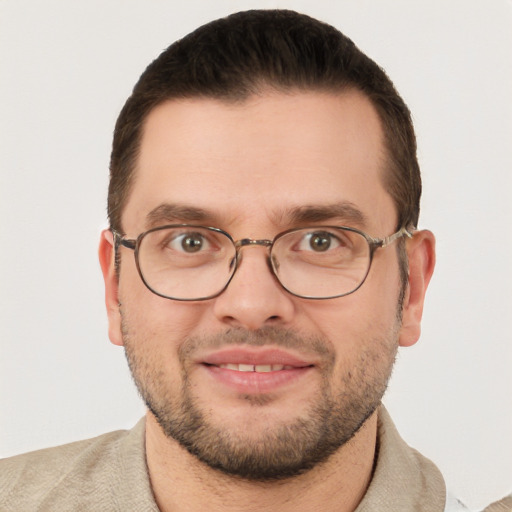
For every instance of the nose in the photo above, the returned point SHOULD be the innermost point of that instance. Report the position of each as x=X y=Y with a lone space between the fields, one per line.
x=254 y=298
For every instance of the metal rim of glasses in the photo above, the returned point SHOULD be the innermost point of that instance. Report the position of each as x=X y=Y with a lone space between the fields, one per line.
x=373 y=244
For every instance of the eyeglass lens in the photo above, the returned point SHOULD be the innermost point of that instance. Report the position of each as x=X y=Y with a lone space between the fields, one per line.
x=192 y=263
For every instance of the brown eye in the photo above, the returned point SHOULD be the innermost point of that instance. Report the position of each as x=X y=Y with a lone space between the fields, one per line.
x=192 y=243
x=320 y=242
x=188 y=242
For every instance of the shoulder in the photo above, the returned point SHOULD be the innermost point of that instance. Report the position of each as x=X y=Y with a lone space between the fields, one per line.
x=503 y=505
x=42 y=465
x=55 y=478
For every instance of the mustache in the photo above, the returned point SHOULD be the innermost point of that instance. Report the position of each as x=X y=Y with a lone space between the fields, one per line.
x=268 y=335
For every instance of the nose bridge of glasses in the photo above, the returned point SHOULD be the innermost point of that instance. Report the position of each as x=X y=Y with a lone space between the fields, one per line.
x=245 y=242
x=249 y=241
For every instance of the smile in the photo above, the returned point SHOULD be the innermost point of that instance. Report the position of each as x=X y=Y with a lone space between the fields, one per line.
x=260 y=368
x=255 y=370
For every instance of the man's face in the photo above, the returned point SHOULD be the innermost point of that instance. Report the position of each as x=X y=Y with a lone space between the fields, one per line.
x=246 y=168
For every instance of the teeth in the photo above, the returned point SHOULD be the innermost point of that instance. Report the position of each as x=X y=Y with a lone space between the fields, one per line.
x=262 y=368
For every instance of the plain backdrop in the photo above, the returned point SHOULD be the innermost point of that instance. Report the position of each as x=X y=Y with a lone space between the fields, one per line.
x=66 y=68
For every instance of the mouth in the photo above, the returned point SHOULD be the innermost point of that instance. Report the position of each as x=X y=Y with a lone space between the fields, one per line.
x=255 y=371
x=260 y=368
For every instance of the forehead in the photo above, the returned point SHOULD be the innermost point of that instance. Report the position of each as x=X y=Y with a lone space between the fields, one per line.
x=255 y=161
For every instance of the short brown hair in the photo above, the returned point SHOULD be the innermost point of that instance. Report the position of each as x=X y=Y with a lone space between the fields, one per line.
x=235 y=57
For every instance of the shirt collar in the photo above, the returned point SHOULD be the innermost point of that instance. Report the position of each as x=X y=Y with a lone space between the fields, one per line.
x=403 y=479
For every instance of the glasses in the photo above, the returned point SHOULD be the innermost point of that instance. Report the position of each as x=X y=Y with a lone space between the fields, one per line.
x=191 y=263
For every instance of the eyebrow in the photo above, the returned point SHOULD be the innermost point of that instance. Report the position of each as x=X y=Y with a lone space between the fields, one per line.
x=344 y=212
x=176 y=213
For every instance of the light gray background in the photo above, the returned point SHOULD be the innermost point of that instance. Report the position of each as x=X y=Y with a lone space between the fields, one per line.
x=66 y=68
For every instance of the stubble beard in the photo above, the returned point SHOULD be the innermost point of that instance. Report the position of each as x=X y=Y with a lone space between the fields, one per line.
x=281 y=451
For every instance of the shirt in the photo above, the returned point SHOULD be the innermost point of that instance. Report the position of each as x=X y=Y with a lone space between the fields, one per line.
x=109 y=473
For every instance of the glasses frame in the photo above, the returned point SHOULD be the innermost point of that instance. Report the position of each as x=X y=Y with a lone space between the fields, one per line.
x=135 y=243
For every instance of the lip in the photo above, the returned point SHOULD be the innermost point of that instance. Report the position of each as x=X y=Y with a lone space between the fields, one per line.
x=255 y=382
x=261 y=356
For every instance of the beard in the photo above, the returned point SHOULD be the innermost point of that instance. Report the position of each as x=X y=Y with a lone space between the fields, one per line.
x=278 y=451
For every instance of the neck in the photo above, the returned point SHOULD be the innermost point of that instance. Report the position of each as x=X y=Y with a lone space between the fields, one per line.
x=180 y=482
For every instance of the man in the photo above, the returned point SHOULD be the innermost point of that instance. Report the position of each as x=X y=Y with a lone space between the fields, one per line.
x=261 y=269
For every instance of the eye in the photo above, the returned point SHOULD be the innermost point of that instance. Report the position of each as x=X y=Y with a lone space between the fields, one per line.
x=319 y=241
x=189 y=242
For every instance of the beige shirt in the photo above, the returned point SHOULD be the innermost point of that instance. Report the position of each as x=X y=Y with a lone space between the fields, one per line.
x=109 y=473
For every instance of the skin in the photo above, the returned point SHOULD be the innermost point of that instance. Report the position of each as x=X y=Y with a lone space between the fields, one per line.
x=248 y=165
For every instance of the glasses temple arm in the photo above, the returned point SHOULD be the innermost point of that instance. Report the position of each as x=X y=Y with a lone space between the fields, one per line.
x=391 y=238
x=119 y=240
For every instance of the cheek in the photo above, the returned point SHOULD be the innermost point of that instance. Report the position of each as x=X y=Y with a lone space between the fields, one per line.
x=153 y=320
x=352 y=322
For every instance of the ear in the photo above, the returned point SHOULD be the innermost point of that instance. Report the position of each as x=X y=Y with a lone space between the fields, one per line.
x=107 y=261
x=422 y=256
